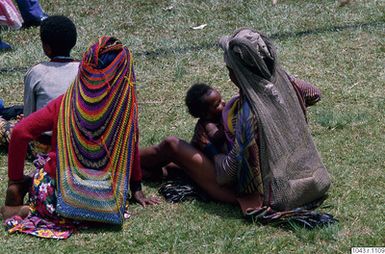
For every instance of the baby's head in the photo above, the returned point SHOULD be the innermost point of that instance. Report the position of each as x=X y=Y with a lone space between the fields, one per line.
x=203 y=101
x=58 y=36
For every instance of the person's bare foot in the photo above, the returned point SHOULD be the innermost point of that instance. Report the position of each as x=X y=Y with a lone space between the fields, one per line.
x=10 y=211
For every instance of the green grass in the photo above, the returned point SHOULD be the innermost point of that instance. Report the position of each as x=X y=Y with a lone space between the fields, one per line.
x=341 y=50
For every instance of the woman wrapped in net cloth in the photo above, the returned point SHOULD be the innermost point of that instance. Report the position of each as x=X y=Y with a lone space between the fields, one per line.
x=94 y=161
x=272 y=162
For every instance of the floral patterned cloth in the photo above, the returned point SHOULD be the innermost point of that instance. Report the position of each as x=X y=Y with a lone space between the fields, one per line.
x=43 y=220
x=9 y=15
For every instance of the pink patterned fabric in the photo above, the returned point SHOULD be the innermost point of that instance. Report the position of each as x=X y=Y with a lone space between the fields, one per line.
x=36 y=226
x=43 y=220
x=9 y=15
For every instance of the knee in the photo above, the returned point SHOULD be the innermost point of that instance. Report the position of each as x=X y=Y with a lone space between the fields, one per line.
x=170 y=144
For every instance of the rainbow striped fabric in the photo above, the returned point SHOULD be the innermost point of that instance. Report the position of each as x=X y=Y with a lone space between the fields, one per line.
x=98 y=135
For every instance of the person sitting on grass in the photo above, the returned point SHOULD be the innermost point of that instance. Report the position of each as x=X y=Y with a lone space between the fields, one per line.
x=94 y=159
x=46 y=80
x=210 y=137
x=273 y=169
x=206 y=104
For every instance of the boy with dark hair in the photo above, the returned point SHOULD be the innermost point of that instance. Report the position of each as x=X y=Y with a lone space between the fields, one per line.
x=206 y=103
x=47 y=80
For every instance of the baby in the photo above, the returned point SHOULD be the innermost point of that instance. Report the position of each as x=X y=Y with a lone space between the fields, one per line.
x=206 y=104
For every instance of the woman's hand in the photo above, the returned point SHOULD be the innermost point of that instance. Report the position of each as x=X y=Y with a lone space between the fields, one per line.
x=143 y=201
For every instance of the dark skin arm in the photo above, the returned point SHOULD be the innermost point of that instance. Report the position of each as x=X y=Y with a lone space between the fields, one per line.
x=216 y=135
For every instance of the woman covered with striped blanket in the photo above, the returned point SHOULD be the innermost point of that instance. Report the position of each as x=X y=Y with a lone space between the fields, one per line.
x=94 y=160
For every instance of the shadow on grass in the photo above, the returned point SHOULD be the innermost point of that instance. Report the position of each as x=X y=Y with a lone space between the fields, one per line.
x=279 y=36
x=328 y=29
x=210 y=45
x=225 y=211
x=3 y=150
x=201 y=200
x=327 y=232
x=100 y=228
x=311 y=224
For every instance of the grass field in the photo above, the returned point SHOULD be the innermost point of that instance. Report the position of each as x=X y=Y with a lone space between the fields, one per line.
x=341 y=50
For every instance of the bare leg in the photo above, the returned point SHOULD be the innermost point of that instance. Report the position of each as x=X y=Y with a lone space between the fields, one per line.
x=16 y=191
x=14 y=198
x=152 y=163
x=193 y=162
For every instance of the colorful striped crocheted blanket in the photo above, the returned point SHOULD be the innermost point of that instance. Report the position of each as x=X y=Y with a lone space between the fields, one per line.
x=98 y=135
